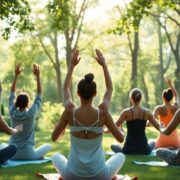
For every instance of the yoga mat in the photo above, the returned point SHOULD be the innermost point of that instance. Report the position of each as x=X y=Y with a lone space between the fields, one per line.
x=54 y=176
x=154 y=163
x=153 y=153
x=151 y=163
x=12 y=163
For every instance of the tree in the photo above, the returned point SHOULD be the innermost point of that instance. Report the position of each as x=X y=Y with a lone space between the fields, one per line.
x=14 y=15
x=65 y=19
x=124 y=26
x=140 y=8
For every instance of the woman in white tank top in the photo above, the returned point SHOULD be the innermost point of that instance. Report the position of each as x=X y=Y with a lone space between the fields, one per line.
x=86 y=158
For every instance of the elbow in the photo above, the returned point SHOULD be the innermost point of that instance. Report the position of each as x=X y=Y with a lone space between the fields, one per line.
x=120 y=139
x=53 y=138
x=166 y=133
x=9 y=133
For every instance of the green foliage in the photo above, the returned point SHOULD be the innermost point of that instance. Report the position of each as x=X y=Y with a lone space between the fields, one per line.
x=15 y=16
x=50 y=115
x=60 y=10
x=137 y=9
x=120 y=99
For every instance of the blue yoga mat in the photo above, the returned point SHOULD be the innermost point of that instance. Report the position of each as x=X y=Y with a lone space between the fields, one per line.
x=12 y=163
x=154 y=163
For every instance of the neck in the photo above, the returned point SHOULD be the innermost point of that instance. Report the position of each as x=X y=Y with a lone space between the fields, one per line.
x=167 y=103
x=87 y=103
x=136 y=105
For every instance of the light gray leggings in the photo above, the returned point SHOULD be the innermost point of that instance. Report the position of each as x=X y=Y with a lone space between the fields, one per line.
x=29 y=153
x=112 y=166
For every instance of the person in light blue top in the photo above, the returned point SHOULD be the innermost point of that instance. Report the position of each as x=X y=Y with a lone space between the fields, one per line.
x=21 y=113
x=86 y=158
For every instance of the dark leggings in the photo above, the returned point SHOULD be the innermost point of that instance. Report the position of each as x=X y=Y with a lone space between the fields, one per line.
x=169 y=156
x=7 y=153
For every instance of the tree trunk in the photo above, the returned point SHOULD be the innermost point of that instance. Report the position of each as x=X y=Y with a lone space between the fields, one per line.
x=145 y=90
x=58 y=71
x=177 y=58
x=135 y=60
x=161 y=68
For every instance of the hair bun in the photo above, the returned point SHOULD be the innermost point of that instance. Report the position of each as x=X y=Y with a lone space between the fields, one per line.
x=89 y=77
x=168 y=94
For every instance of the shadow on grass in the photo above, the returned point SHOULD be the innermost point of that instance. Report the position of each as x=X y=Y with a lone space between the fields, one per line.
x=27 y=172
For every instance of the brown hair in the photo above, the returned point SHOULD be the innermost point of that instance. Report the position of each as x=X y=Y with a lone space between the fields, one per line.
x=22 y=101
x=87 y=87
x=167 y=94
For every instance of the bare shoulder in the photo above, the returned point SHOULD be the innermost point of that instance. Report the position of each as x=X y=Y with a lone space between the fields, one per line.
x=175 y=107
x=159 y=107
x=147 y=112
x=126 y=111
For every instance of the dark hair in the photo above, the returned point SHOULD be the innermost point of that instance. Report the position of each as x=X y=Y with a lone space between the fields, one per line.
x=22 y=101
x=168 y=94
x=87 y=87
x=136 y=94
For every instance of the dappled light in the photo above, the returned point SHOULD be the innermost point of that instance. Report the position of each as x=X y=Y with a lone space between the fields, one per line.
x=49 y=46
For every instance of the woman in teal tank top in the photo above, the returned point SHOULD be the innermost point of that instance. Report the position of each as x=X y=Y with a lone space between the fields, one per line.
x=86 y=158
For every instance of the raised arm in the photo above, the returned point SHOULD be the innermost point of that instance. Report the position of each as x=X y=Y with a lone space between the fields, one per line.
x=174 y=91
x=36 y=71
x=66 y=88
x=173 y=124
x=18 y=70
x=109 y=88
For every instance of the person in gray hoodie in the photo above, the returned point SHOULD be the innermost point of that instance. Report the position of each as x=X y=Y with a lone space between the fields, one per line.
x=21 y=113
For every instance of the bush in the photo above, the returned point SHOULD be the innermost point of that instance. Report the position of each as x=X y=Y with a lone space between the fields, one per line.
x=50 y=115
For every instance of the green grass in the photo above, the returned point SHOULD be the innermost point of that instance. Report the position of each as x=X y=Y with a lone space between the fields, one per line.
x=27 y=172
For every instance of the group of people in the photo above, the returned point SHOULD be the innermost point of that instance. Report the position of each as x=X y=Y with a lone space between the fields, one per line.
x=86 y=158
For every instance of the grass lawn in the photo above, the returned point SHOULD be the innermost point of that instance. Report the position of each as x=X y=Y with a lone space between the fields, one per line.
x=27 y=172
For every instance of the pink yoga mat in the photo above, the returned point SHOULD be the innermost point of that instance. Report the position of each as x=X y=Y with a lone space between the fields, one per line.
x=54 y=176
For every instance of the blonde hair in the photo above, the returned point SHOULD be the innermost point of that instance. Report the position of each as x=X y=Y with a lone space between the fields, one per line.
x=136 y=94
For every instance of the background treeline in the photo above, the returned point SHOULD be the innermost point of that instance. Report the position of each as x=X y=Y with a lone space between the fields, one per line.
x=140 y=40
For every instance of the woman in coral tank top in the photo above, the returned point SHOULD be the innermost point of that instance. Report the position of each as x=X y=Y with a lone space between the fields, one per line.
x=165 y=113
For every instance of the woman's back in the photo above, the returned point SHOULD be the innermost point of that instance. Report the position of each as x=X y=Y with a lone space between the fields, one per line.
x=136 y=122
x=136 y=140
x=86 y=119
x=86 y=157
x=166 y=112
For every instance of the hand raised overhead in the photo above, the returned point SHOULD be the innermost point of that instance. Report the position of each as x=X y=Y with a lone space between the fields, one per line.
x=169 y=82
x=18 y=69
x=36 y=70
x=99 y=57
x=75 y=58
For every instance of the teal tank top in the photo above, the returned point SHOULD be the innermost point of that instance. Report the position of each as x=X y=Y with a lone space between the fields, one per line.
x=86 y=156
